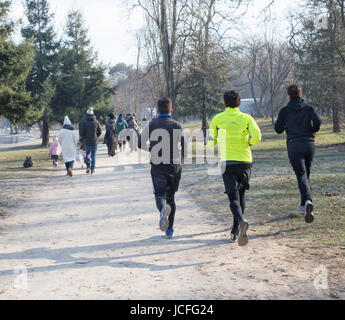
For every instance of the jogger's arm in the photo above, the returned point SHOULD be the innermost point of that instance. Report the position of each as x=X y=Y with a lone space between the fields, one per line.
x=315 y=118
x=254 y=132
x=213 y=132
x=144 y=138
x=279 y=126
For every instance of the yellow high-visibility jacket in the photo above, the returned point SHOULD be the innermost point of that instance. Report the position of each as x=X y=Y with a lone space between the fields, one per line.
x=234 y=132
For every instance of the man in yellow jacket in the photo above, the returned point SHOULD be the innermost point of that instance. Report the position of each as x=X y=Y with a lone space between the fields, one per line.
x=235 y=132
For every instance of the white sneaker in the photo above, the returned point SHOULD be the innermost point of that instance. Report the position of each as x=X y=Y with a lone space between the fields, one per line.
x=309 y=207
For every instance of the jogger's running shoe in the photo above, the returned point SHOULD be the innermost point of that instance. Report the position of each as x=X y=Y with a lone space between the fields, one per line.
x=309 y=207
x=169 y=233
x=233 y=238
x=164 y=219
x=243 y=238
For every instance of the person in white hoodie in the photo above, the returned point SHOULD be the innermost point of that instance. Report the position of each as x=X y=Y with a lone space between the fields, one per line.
x=68 y=140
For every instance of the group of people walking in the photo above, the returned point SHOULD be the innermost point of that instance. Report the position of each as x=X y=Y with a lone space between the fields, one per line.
x=121 y=131
x=233 y=131
x=118 y=132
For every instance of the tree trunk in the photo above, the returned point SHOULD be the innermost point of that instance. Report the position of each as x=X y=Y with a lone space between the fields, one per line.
x=12 y=128
x=45 y=134
x=336 y=119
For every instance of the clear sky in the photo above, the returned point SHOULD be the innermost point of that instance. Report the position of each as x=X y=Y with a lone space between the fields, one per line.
x=112 y=28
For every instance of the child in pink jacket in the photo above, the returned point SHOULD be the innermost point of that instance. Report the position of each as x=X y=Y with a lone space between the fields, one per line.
x=55 y=151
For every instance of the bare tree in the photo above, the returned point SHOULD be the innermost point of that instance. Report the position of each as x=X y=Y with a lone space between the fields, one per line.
x=168 y=17
x=268 y=66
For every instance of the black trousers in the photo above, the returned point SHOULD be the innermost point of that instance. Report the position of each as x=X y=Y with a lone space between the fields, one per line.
x=301 y=154
x=54 y=157
x=166 y=180
x=236 y=179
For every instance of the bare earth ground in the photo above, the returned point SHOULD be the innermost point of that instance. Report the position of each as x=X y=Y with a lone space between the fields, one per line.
x=97 y=237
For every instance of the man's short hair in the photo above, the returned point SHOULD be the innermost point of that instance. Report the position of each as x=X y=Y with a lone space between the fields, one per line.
x=164 y=105
x=232 y=99
x=294 y=91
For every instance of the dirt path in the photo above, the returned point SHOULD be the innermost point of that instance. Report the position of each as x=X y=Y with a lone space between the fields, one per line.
x=97 y=237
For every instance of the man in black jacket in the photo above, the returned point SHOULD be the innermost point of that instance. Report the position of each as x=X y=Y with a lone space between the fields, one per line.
x=301 y=123
x=165 y=135
x=89 y=131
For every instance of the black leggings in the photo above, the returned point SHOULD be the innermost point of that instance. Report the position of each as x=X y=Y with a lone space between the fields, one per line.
x=237 y=207
x=301 y=155
x=236 y=180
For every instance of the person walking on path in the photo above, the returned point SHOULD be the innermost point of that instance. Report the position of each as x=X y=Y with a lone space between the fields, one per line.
x=166 y=161
x=89 y=131
x=134 y=133
x=235 y=132
x=68 y=140
x=55 y=151
x=301 y=123
x=110 y=138
x=121 y=125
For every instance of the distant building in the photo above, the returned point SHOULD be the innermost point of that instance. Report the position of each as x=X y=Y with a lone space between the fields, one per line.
x=248 y=106
x=5 y=125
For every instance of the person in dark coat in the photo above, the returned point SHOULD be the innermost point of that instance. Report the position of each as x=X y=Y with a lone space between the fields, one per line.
x=89 y=131
x=301 y=123
x=166 y=163
x=110 y=138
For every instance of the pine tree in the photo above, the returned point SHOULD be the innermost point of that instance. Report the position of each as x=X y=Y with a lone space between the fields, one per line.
x=15 y=63
x=82 y=83
x=42 y=77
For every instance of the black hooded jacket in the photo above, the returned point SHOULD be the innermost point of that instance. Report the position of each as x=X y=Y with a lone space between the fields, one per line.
x=89 y=131
x=299 y=120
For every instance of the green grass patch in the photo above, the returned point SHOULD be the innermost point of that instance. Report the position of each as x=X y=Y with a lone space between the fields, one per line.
x=12 y=172
x=11 y=163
